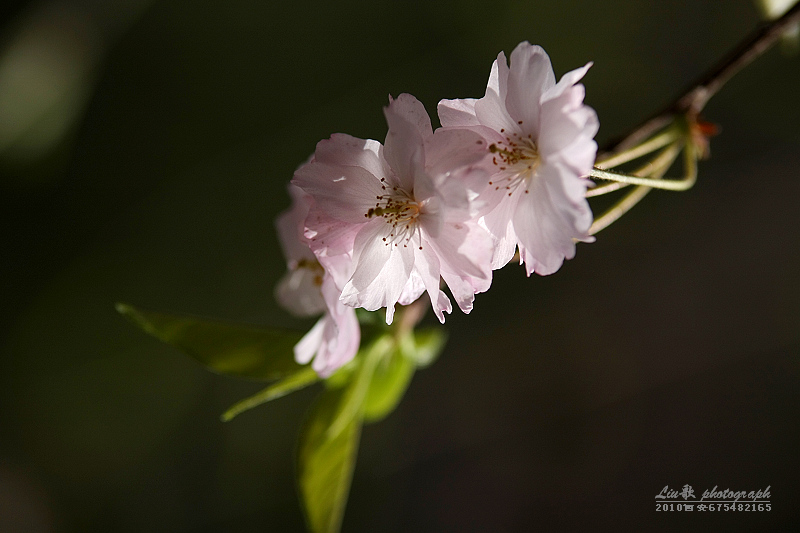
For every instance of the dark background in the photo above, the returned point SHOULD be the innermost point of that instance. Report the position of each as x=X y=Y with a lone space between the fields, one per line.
x=666 y=353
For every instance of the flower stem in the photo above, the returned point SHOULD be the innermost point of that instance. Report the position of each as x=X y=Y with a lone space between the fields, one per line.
x=649 y=146
x=659 y=168
x=412 y=314
x=654 y=183
x=620 y=208
x=666 y=157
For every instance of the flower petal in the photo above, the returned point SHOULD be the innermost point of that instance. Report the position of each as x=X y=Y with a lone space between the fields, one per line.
x=530 y=75
x=344 y=150
x=290 y=227
x=491 y=109
x=546 y=221
x=428 y=266
x=464 y=249
x=414 y=286
x=499 y=223
x=458 y=112
x=305 y=350
x=298 y=292
x=382 y=269
x=452 y=149
x=328 y=236
x=409 y=128
x=565 y=121
x=341 y=333
x=567 y=81
x=344 y=192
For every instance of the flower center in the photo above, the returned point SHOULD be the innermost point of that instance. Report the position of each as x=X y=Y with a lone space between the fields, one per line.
x=516 y=159
x=400 y=210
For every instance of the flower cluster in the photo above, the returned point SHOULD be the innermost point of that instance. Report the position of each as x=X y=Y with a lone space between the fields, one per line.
x=373 y=225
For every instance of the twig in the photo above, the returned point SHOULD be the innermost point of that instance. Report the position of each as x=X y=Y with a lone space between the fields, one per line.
x=696 y=96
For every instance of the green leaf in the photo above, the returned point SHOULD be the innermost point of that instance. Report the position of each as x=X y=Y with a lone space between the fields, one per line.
x=354 y=394
x=389 y=382
x=427 y=346
x=343 y=375
x=226 y=348
x=325 y=462
x=391 y=378
x=303 y=378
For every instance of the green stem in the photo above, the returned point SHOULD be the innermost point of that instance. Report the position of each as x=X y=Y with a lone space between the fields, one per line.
x=664 y=159
x=682 y=184
x=647 y=147
x=635 y=196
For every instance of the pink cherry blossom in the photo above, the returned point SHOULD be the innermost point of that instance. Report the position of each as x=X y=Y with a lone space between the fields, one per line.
x=405 y=211
x=540 y=135
x=308 y=289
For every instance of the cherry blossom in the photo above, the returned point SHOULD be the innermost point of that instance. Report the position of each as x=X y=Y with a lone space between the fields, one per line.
x=308 y=289
x=540 y=136
x=406 y=211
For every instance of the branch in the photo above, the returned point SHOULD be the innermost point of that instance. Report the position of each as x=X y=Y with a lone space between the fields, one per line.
x=696 y=96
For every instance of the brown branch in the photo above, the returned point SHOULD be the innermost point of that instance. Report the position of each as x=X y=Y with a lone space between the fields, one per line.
x=692 y=101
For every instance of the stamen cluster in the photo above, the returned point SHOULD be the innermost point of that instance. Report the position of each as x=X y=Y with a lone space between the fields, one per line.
x=400 y=211
x=516 y=160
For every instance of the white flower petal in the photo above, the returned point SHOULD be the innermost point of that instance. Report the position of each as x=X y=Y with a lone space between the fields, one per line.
x=491 y=109
x=344 y=150
x=370 y=253
x=382 y=269
x=464 y=289
x=460 y=112
x=564 y=120
x=428 y=267
x=340 y=344
x=566 y=82
x=344 y=193
x=334 y=339
x=464 y=249
x=328 y=236
x=546 y=221
x=298 y=292
x=449 y=151
x=414 y=286
x=341 y=333
x=290 y=227
x=529 y=77
x=305 y=350
x=499 y=224
x=409 y=128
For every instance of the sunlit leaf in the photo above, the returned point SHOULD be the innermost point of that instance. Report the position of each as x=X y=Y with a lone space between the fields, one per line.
x=226 y=348
x=389 y=382
x=343 y=375
x=427 y=345
x=354 y=394
x=325 y=463
x=302 y=378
